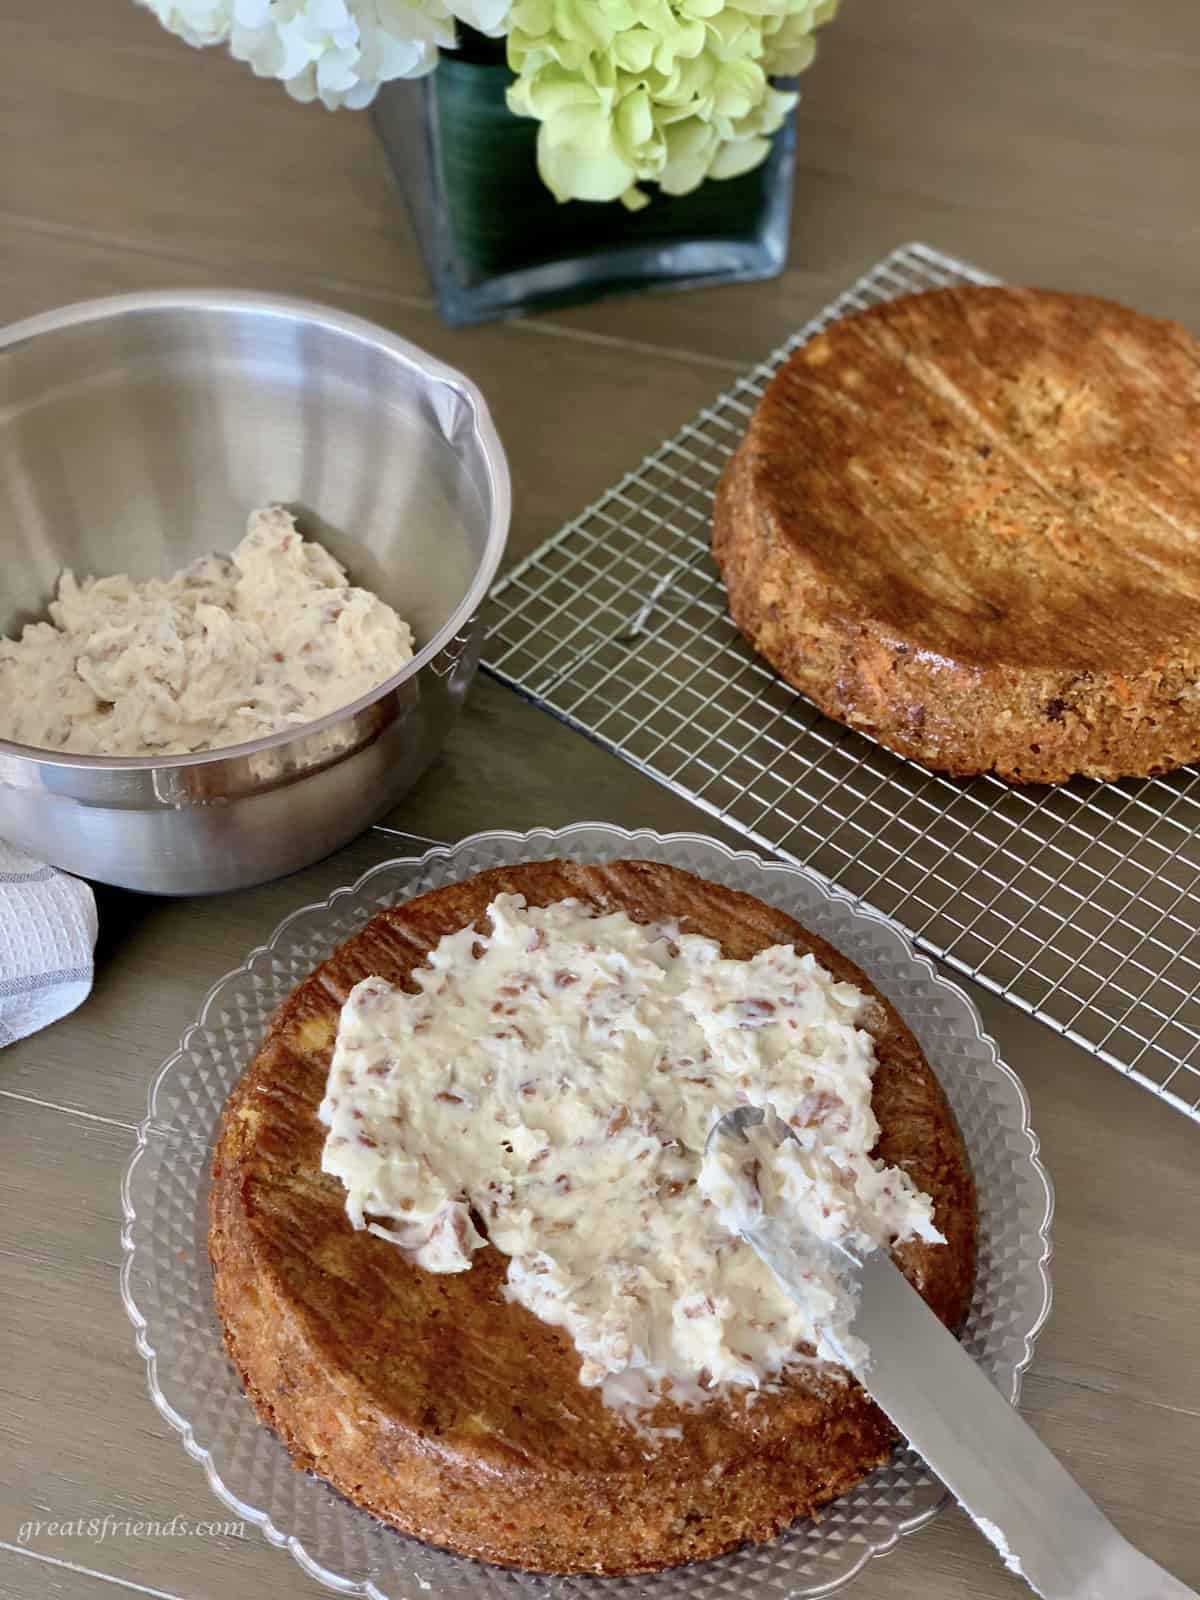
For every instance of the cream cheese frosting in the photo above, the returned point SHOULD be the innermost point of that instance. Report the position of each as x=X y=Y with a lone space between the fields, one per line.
x=549 y=1088
x=229 y=649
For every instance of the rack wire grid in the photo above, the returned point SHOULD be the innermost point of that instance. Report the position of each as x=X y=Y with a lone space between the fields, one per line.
x=1080 y=903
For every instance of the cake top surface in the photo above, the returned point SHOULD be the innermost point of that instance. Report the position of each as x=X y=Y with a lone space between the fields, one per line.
x=988 y=475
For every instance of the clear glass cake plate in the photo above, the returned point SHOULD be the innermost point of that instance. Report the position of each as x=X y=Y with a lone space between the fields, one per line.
x=167 y=1291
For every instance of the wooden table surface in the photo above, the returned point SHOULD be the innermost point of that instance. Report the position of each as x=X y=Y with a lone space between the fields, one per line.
x=1052 y=144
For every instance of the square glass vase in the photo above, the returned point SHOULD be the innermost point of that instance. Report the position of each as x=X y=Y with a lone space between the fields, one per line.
x=497 y=243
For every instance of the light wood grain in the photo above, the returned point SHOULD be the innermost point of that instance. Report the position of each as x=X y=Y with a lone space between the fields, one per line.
x=1055 y=144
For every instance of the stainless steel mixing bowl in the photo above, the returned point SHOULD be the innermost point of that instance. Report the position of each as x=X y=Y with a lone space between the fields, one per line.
x=137 y=433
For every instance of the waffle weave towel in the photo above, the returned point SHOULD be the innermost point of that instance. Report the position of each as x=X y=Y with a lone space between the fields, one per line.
x=47 y=936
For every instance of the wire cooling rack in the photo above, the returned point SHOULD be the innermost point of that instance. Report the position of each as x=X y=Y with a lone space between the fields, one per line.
x=1080 y=904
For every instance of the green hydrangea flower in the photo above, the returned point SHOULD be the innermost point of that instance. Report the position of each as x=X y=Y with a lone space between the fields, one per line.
x=663 y=91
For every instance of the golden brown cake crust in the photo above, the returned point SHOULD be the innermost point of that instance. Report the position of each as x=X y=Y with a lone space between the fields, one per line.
x=968 y=522
x=456 y=1415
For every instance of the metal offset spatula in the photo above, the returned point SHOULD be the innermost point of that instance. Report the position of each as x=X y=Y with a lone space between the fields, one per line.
x=1028 y=1505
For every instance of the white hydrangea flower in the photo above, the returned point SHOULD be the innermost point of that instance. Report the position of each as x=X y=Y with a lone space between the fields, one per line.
x=336 y=51
x=200 y=22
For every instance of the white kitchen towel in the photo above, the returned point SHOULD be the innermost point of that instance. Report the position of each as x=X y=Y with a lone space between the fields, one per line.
x=47 y=936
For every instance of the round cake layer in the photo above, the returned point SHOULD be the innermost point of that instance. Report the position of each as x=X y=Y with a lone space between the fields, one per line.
x=455 y=1414
x=968 y=523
